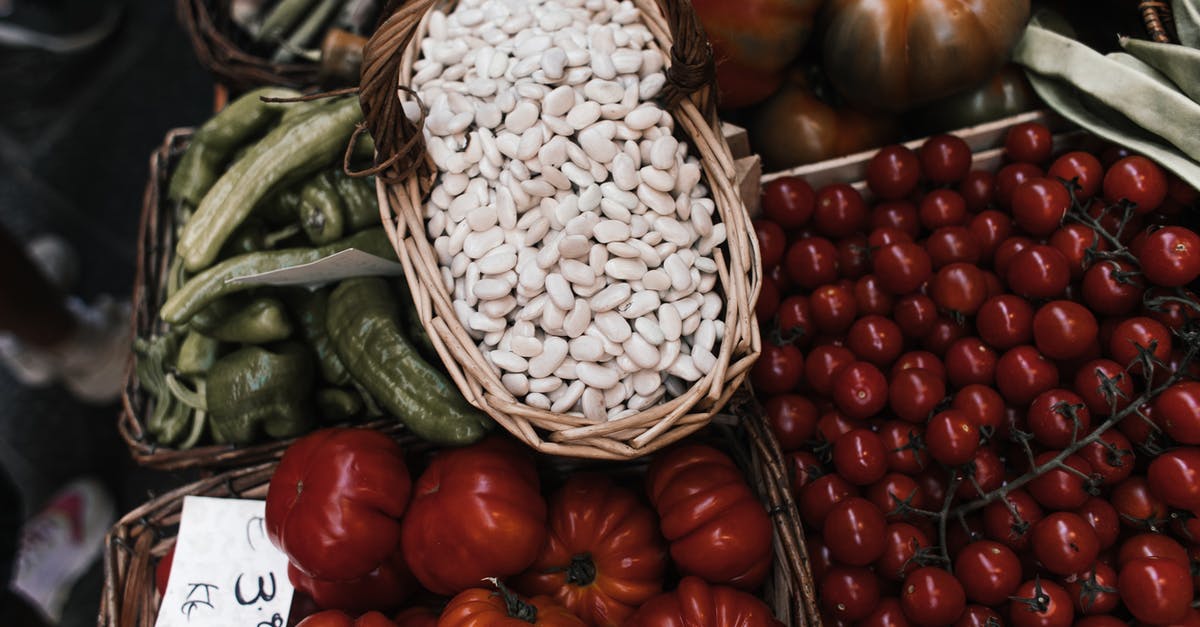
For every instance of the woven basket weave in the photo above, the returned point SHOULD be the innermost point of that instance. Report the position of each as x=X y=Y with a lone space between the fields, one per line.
x=141 y=537
x=405 y=175
x=217 y=49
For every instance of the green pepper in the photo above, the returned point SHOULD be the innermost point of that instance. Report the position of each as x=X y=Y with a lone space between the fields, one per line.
x=363 y=322
x=214 y=143
x=359 y=200
x=281 y=19
x=338 y=405
x=197 y=354
x=213 y=283
x=255 y=391
x=322 y=215
x=263 y=320
x=248 y=238
x=310 y=309
x=413 y=327
x=306 y=145
x=306 y=31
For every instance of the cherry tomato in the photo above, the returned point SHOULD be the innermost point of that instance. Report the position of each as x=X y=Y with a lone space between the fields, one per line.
x=949 y=244
x=789 y=201
x=989 y=571
x=768 y=301
x=942 y=207
x=1007 y=250
x=795 y=320
x=902 y=267
x=859 y=457
x=988 y=470
x=1015 y=532
x=1029 y=142
x=893 y=492
x=931 y=596
x=1005 y=321
x=853 y=256
x=818 y=556
x=946 y=331
x=819 y=497
x=1064 y=543
x=977 y=189
x=805 y=468
x=898 y=214
x=951 y=437
x=1075 y=242
x=893 y=172
x=1111 y=457
x=1174 y=477
x=945 y=158
x=1154 y=545
x=1137 y=180
x=1064 y=330
x=833 y=308
x=853 y=531
x=1039 y=205
x=916 y=314
x=1058 y=489
x=876 y=339
x=988 y=228
x=822 y=365
x=1038 y=271
x=1023 y=373
x=1102 y=517
x=969 y=361
x=849 y=594
x=1171 y=257
x=1156 y=591
x=839 y=212
x=959 y=288
x=1104 y=386
x=1161 y=304
x=887 y=614
x=1094 y=591
x=1177 y=409
x=1009 y=177
x=914 y=393
x=1040 y=603
x=1135 y=335
x=860 y=390
x=1137 y=505
x=1081 y=167
x=920 y=359
x=833 y=424
x=900 y=441
x=793 y=420
x=1057 y=418
x=779 y=369
x=979 y=616
x=812 y=262
x=982 y=404
x=771 y=242
x=902 y=542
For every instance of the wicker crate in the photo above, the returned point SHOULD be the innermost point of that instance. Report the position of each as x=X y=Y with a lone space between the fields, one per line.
x=144 y=535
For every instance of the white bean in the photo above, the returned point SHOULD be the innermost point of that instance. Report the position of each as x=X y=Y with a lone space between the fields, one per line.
x=554 y=351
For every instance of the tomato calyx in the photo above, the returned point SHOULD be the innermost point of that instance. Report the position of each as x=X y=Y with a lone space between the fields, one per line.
x=580 y=572
x=514 y=606
x=1039 y=603
x=1091 y=589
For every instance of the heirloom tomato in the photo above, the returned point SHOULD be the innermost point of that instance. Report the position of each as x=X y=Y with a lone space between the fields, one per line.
x=695 y=602
x=480 y=607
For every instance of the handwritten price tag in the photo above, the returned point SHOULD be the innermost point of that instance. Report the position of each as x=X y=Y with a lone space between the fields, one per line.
x=226 y=572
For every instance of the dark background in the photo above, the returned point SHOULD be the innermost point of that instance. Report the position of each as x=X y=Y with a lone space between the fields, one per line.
x=76 y=133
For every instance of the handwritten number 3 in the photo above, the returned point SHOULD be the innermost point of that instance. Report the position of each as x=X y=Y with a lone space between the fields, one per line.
x=262 y=595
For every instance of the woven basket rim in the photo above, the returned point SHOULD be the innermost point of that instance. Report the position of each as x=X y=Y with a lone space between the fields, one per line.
x=400 y=208
x=146 y=533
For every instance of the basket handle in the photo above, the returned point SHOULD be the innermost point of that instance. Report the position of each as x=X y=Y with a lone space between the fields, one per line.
x=399 y=143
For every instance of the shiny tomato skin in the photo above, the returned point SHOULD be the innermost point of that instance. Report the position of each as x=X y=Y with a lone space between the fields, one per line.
x=860 y=390
x=1171 y=257
x=1152 y=545
x=853 y=531
x=1089 y=590
x=839 y=211
x=951 y=437
x=812 y=262
x=1029 y=142
x=779 y=369
x=969 y=361
x=1038 y=271
x=979 y=616
x=788 y=201
x=853 y=256
x=695 y=602
x=1056 y=610
x=942 y=207
x=898 y=214
x=1081 y=167
x=977 y=189
x=988 y=229
x=999 y=524
x=388 y=586
x=1138 y=180
x=914 y=393
x=900 y=443
x=819 y=557
x=1058 y=489
x=916 y=314
x=1134 y=335
x=1111 y=456
x=793 y=420
x=892 y=492
x=1090 y=383
x=951 y=244
x=794 y=317
x=849 y=593
x=1075 y=241
x=1022 y=373
x=1064 y=330
x=1064 y=543
x=1174 y=477
x=989 y=572
x=959 y=288
x=931 y=596
x=1058 y=417
x=875 y=339
x=804 y=468
x=1137 y=505
x=768 y=301
x=1006 y=251
x=945 y=158
x=902 y=541
x=717 y=528
x=820 y=496
x=1005 y=321
x=982 y=404
x=1009 y=177
x=1039 y=205
x=771 y=242
x=1102 y=517
x=893 y=172
x=417 y=616
x=920 y=359
x=888 y=613
x=1171 y=313
x=824 y=363
x=1177 y=409
x=902 y=267
x=946 y=331
x=1156 y=591
x=1112 y=288
x=833 y=308
x=859 y=457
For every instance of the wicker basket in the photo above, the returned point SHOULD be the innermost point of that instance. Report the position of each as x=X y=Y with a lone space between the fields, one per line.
x=156 y=245
x=217 y=49
x=135 y=543
x=405 y=173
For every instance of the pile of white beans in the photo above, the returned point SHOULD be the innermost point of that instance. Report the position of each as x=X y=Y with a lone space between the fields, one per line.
x=571 y=226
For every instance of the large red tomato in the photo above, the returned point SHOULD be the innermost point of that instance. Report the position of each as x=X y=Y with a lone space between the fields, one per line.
x=479 y=607
x=385 y=587
x=476 y=512
x=603 y=556
x=718 y=530
x=335 y=500
x=754 y=41
x=419 y=616
x=695 y=602
x=893 y=54
x=335 y=618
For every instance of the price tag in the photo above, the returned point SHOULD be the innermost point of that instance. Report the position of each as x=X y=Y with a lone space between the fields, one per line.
x=226 y=572
x=346 y=264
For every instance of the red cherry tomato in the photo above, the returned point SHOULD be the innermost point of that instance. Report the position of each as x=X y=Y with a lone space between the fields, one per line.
x=1038 y=271
x=849 y=594
x=779 y=369
x=942 y=207
x=819 y=497
x=1064 y=543
x=1015 y=532
x=1040 y=603
x=951 y=437
x=1029 y=142
x=860 y=390
x=982 y=404
x=1064 y=330
x=1005 y=321
x=811 y=262
x=1102 y=517
x=950 y=244
x=898 y=214
x=1058 y=417
x=794 y=316
x=1075 y=242
x=914 y=393
x=1137 y=180
x=859 y=457
x=945 y=158
x=932 y=596
x=988 y=228
x=902 y=541
x=916 y=314
x=1177 y=409
x=1156 y=591
x=1094 y=591
x=876 y=339
x=1009 y=177
x=822 y=365
x=904 y=453
x=853 y=531
x=1171 y=257
x=969 y=361
x=989 y=571
x=1104 y=386
x=771 y=242
x=1112 y=288
x=1057 y=488
x=1111 y=457
x=887 y=614
x=1174 y=477
x=1083 y=169
x=1137 y=505
x=959 y=288
x=893 y=172
x=1039 y=205
x=793 y=420
x=839 y=211
x=979 y=616
x=892 y=493
x=977 y=189
x=788 y=201
x=902 y=267
x=1022 y=373
x=768 y=301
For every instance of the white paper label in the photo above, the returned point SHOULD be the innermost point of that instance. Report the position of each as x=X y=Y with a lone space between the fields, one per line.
x=346 y=264
x=226 y=572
